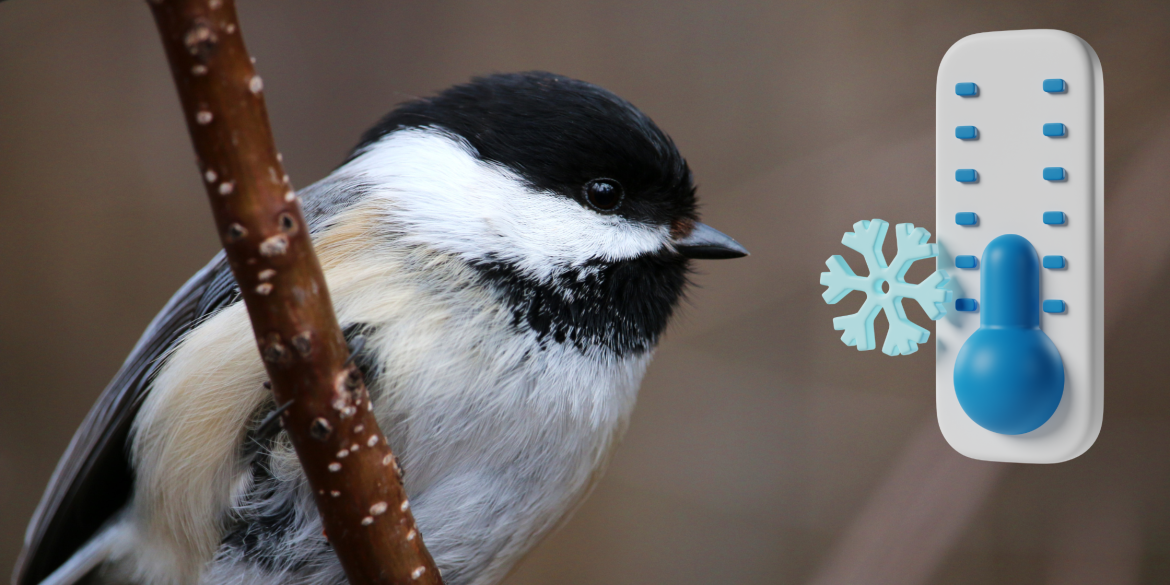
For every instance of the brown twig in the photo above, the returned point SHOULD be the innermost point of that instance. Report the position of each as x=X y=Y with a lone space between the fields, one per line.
x=354 y=475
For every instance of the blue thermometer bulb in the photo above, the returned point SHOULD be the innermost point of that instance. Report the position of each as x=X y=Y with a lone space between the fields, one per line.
x=1009 y=377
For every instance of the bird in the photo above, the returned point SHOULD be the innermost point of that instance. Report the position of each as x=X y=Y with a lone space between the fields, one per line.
x=503 y=256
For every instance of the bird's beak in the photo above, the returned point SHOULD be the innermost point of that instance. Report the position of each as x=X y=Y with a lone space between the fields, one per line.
x=707 y=243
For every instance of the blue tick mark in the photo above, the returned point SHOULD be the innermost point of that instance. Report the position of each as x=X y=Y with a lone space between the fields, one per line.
x=966 y=133
x=1055 y=130
x=967 y=89
x=1054 y=174
x=1055 y=86
x=966 y=262
x=1054 y=262
x=966 y=305
x=1054 y=306
x=966 y=176
x=966 y=218
x=1054 y=218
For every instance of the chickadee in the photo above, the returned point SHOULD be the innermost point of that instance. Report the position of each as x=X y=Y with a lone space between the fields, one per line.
x=503 y=256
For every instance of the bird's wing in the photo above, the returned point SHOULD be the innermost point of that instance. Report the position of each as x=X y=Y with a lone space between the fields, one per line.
x=93 y=480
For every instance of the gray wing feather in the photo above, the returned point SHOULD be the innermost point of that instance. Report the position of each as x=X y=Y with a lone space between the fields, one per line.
x=93 y=479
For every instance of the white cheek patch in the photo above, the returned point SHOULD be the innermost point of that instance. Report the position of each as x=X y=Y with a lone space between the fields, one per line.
x=441 y=196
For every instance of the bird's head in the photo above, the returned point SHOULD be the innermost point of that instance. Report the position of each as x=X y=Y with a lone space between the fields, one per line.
x=546 y=182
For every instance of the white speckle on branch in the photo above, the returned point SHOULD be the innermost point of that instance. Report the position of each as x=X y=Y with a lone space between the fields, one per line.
x=236 y=231
x=287 y=223
x=303 y=343
x=198 y=70
x=210 y=176
x=263 y=289
x=226 y=187
x=355 y=447
x=274 y=246
x=405 y=506
x=275 y=352
x=359 y=428
x=342 y=454
x=200 y=34
x=320 y=429
x=335 y=493
x=388 y=459
x=230 y=28
x=266 y=274
x=290 y=196
x=417 y=572
x=203 y=117
x=367 y=520
x=335 y=467
x=378 y=509
x=373 y=441
x=410 y=535
x=256 y=85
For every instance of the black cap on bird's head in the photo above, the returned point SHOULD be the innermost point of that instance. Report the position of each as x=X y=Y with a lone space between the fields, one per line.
x=574 y=139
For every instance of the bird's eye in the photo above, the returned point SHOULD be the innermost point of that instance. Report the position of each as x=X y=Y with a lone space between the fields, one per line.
x=604 y=194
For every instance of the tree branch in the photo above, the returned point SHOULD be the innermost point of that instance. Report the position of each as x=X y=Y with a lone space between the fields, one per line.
x=326 y=408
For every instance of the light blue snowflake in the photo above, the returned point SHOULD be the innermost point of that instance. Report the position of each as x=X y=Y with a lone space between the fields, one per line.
x=885 y=287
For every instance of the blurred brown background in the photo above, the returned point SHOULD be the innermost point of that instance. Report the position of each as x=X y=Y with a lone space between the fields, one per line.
x=762 y=450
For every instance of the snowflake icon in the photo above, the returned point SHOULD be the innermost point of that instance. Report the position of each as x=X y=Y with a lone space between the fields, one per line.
x=885 y=287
